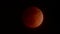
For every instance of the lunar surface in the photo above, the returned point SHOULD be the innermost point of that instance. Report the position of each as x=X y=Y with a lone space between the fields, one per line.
x=32 y=17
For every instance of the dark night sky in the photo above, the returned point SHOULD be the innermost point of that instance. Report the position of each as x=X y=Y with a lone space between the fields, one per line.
x=12 y=16
x=47 y=7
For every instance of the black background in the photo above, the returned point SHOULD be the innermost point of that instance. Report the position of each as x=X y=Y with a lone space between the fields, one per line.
x=12 y=16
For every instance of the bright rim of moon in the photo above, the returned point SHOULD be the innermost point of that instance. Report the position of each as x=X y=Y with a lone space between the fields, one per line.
x=37 y=19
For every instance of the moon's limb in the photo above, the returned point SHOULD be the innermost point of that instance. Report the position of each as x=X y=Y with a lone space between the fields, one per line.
x=33 y=17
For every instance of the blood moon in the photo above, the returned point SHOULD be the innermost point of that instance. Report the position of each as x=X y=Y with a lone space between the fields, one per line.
x=32 y=17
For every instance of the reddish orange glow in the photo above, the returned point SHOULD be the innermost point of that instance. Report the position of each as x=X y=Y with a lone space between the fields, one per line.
x=32 y=17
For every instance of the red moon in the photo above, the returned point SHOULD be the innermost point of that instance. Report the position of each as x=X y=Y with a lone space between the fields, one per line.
x=32 y=17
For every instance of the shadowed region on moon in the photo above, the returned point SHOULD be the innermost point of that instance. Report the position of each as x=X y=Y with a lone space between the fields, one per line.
x=32 y=17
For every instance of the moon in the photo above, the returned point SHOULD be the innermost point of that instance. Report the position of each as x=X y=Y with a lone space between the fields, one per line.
x=32 y=17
